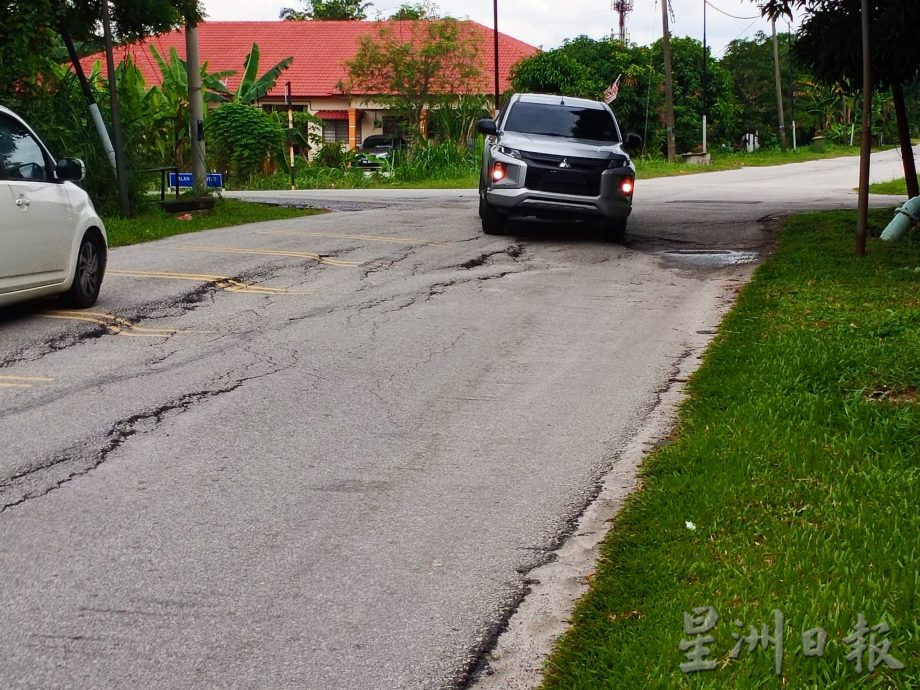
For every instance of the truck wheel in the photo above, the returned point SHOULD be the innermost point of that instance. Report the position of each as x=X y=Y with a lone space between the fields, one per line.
x=493 y=222
x=615 y=230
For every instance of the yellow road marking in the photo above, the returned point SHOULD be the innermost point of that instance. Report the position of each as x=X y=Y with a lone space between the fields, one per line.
x=117 y=325
x=223 y=282
x=37 y=379
x=370 y=238
x=273 y=252
x=8 y=381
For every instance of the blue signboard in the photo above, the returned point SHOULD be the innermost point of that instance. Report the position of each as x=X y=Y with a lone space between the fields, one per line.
x=215 y=180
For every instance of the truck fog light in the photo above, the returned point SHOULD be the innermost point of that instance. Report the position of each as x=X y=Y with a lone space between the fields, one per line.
x=498 y=172
x=626 y=186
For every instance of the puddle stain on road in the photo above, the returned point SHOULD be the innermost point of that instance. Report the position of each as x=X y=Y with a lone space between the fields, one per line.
x=321 y=258
x=222 y=282
x=709 y=258
x=116 y=325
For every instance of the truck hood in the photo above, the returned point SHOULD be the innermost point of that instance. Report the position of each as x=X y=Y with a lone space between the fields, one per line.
x=538 y=143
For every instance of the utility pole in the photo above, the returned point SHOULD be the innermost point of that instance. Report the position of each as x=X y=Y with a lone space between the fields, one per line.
x=865 y=151
x=121 y=169
x=791 y=82
x=495 y=48
x=668 y=83
x=779 y=92
x=195 y=108
x=705 y=76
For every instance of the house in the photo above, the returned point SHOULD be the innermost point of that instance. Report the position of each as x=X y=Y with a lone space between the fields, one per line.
x=320 y=50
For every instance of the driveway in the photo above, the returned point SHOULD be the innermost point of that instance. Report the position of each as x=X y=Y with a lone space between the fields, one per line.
x=326 y=452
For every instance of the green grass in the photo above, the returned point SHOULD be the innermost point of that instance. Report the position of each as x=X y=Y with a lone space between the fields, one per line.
x=797 y=458
x=330 y=178
x=733 y=160
x=894 y=187
x=444 y=166
x=153 y=223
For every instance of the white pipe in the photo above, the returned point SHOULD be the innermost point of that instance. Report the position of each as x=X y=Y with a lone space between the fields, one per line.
x=103 y=133
x=904 y=219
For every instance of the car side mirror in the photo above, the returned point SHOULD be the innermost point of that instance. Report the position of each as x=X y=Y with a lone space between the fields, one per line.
x=633 y=141
x=487 y=126
x=70 y=169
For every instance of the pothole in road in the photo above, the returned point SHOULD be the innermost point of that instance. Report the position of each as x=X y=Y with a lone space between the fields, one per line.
x=709 y=258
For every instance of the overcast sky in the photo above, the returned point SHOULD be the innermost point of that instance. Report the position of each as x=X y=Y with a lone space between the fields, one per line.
x=547 y=23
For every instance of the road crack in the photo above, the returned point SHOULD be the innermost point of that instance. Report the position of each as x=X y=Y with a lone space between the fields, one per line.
x=77 y=461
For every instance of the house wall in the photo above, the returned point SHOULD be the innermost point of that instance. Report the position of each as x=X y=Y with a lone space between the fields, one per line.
x=365 y=118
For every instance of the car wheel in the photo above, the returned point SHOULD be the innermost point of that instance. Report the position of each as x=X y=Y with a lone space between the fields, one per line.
x=615 y=229
x=87 y=279
x=493 y=222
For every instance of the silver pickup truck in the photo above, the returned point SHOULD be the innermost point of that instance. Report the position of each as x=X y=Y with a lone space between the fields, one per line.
x=556 y=156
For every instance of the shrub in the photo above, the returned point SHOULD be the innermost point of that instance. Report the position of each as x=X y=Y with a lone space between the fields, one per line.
x=440 y=161
x=242 y=137
x=332 y=155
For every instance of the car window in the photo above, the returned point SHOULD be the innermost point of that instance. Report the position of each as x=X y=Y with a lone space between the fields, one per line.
x=558 y=120
x=21 y=157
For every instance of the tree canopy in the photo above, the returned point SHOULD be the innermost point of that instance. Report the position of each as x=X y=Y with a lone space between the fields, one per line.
x=586 y=67
x=414 y=65
x=419 y=10
x=29 y=30
x=327 y=10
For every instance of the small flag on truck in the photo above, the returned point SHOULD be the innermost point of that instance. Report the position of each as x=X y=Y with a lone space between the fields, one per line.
x=610 y=95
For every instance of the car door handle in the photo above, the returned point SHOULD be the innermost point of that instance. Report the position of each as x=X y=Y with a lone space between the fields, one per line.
x=21 y=201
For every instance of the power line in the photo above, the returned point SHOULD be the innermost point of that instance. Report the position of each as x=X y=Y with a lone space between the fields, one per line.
x=730 y=15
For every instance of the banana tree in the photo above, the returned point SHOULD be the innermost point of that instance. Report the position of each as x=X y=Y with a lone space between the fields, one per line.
x=253 y=87
x=174 y=88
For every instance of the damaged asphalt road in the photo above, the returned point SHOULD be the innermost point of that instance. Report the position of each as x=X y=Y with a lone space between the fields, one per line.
x=326 y=452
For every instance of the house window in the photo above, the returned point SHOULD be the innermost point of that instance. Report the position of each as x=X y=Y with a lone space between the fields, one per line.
x=280 y=108
x=335 y=130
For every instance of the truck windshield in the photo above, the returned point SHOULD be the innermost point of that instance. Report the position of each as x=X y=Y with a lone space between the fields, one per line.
x=562 y=121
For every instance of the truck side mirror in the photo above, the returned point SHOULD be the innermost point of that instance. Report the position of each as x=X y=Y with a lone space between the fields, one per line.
x=487 y=126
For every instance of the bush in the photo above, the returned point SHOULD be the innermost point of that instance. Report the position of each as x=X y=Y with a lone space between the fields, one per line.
x=242 y=137
x=332 y=154
x=440 y=161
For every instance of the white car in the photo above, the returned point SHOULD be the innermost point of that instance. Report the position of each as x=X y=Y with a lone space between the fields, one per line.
x=51 y=240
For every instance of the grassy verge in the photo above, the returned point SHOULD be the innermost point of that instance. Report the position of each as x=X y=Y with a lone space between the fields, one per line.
x=331 y=178
x=735 y=160
x=797 y=461
x=894 y=187
x=442 y=168
x=153 y=223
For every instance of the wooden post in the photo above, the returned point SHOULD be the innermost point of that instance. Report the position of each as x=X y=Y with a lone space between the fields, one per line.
x=352 y=128
x=862 y=222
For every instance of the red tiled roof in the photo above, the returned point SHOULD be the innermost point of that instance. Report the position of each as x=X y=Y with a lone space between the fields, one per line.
x=319 y=48
x=332 y=114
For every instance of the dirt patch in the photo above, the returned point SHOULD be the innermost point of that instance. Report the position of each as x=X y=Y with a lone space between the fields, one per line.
x=904 y=396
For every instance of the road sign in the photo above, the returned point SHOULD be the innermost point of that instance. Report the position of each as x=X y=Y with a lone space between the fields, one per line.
x=215 y=180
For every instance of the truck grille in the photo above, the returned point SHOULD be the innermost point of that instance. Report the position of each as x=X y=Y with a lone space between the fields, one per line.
x=581 y=177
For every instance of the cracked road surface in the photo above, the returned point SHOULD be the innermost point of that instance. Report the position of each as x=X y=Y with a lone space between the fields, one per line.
x=338 y=444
